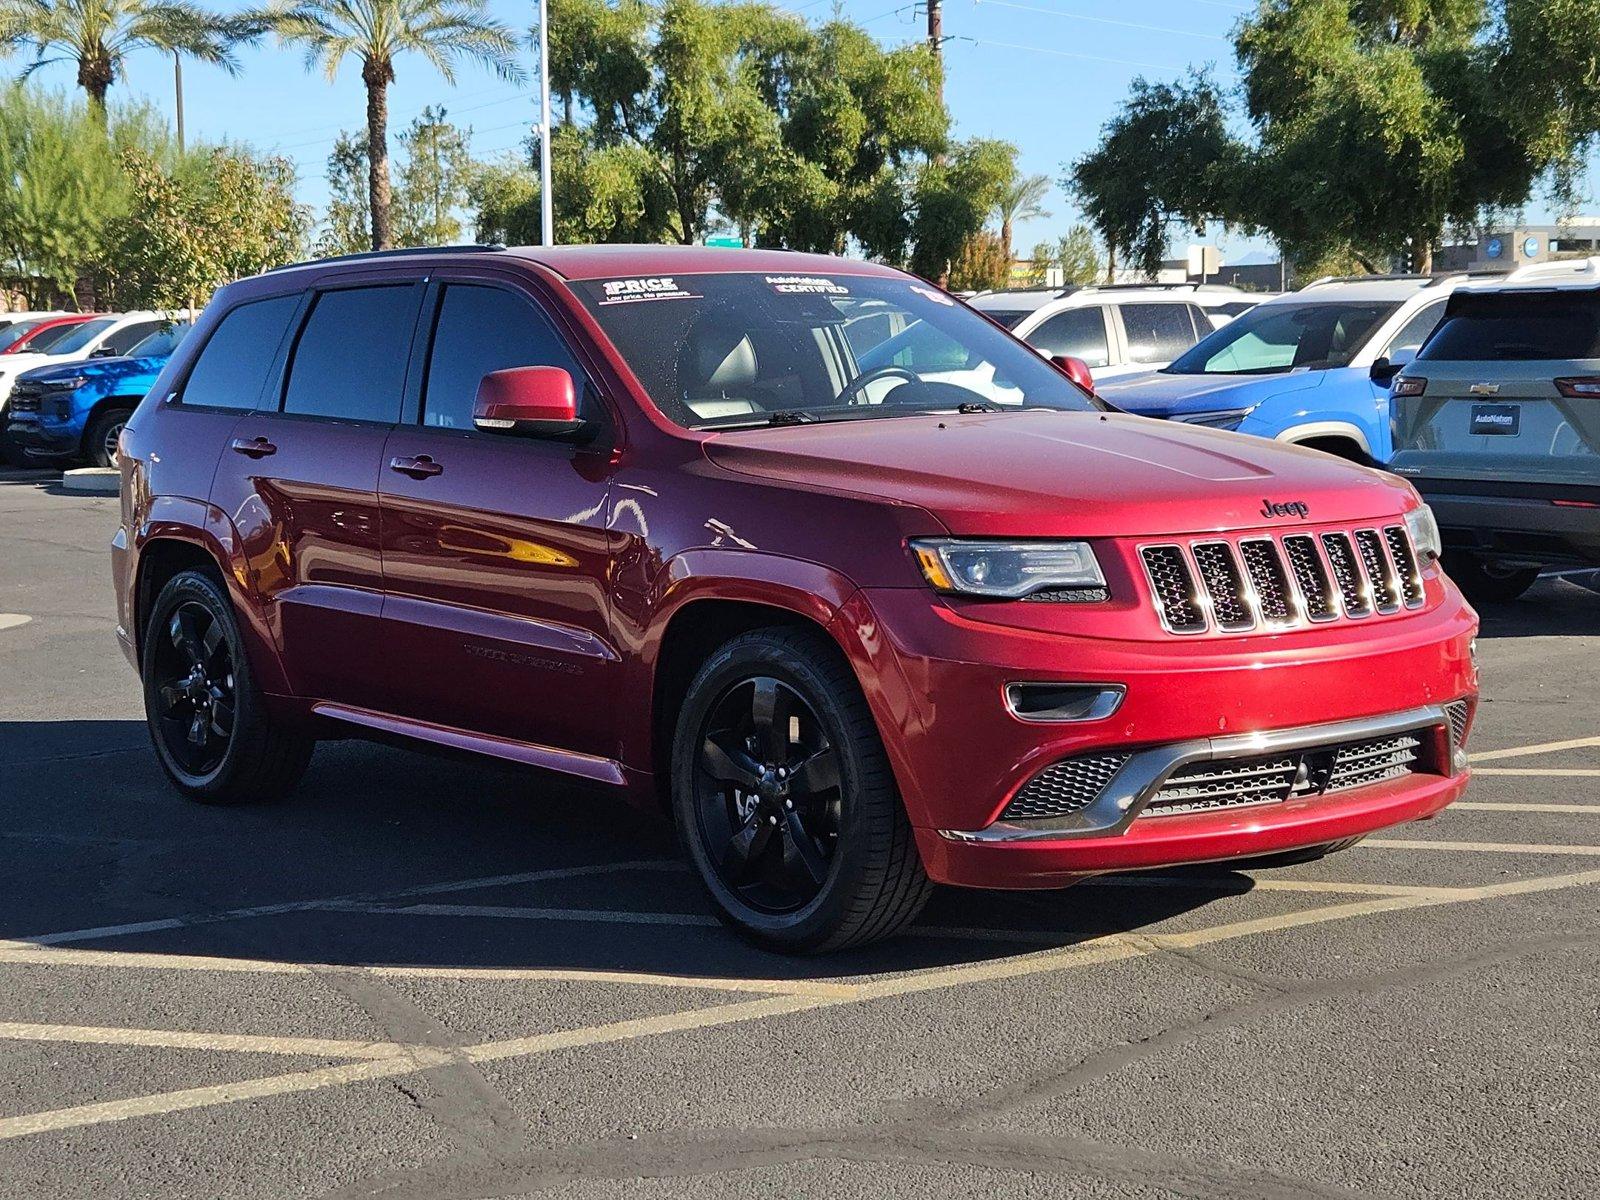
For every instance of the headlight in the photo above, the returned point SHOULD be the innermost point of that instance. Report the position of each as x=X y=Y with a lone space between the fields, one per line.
x=70 y=383
x=1008 y=570
x=1215 y=420
x=1424 y=531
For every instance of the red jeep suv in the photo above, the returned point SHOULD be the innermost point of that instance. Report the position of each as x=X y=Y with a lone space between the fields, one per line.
x=866 y=593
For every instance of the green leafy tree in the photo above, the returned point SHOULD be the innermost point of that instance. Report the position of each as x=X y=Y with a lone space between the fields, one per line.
x=1022 y=200
x=219 y=215
x=980 y=264
x=377 y=33
x=61 y=185
x=1079 y=256
x=432 y=184
x=97 y=36
x=952 y=198
x=347 y=223
x=1165 y=157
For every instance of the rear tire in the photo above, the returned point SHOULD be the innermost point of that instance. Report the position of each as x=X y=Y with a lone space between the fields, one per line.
x=1486 y=583
x=785 y=801
x=207 y=718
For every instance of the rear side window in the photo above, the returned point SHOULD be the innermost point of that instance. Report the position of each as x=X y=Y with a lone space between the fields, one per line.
x=232 y=368
x=479 y=330
x=76 y=337
x=1077 y=332
x=1157 y=332
x=129 y=336
x=350 y=362
x=1515 y=327
x=1415 y=331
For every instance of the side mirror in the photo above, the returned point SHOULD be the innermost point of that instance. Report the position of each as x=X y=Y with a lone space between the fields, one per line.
x=105 y=352
x=1074 y=369
x=531 y=401
x=1385 y=369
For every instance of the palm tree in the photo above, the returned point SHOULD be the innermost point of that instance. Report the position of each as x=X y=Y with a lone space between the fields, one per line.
x=1022 y=201
x=377 y=32
x=97 y=35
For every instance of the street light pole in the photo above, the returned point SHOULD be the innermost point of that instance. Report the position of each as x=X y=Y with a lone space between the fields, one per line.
x=547 y=222
x=177 y=82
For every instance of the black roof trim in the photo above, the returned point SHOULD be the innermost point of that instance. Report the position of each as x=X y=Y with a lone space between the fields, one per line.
x=383 y=255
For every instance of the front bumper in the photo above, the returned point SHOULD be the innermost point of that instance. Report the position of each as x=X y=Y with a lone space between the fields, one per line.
x=936 y=679
x=42 y=439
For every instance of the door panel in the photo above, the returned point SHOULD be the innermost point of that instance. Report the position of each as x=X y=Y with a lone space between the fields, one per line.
x=496 y=567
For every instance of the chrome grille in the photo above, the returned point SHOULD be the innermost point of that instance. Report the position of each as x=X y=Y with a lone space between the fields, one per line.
x=1264 y=568
x=25 y=397
x=1236 y=585
x=1275 y=778
x=1354 y=590
x=1219 y=571
x=1458 y=711
x=1385 y=584
x=1311 y=577
x=1173 y=586
x=1064 y=787
x=1405 y=565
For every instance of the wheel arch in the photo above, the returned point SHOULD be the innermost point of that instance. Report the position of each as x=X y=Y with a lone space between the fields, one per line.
x=1330 y=436
x=100 y=407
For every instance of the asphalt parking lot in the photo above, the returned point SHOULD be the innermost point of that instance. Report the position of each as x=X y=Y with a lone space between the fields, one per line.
x=422 y=978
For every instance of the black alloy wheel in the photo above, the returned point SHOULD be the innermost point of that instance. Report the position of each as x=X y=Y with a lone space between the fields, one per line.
x=194 y=683
x=767 y=792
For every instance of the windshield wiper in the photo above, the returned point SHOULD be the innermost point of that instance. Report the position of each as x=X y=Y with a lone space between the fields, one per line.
x=978 y=406
x=791 y=416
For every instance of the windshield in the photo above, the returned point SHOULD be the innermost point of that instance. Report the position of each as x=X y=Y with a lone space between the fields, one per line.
x=15 y=332
x=717 y=351
x=81 y=335
x=159 y=345
x=1273 y=338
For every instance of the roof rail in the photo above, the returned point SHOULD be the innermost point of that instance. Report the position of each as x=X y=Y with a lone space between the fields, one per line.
x=1113 y=287
x=1025 y=291
x=381 y=255
x=1394 y=278
x=1558 y=268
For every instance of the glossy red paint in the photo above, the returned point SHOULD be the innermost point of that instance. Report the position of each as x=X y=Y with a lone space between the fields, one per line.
x=29 y=342
x=523 y=598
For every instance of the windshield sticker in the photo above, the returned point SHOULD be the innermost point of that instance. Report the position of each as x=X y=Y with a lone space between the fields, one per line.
x=933 y=294
x=806 y=285
x=649 y=287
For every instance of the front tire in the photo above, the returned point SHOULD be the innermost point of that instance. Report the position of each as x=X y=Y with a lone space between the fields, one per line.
x=100 y=442
x=1484 y=582
x=785 y=801
x=208 y=720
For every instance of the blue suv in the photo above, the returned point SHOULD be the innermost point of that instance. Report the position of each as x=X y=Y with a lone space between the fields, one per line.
x=1311 y=367
x=77 y=410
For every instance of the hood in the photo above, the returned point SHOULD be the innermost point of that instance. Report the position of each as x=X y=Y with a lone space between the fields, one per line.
x=1161 y=394
x=1066 y=474
x=112 y=370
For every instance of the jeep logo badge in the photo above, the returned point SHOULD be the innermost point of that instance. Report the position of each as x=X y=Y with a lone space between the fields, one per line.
x=1289 y=508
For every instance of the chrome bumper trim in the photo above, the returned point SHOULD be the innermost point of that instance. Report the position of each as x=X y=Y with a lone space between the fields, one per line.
x=1143 y=774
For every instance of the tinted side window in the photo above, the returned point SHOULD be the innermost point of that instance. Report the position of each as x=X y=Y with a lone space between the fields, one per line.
x=234 y=362
x=1415 y=331
x=1157 y=332
x=1078 y=332
x=129 y=336
x=479 y=330
x=350 y=362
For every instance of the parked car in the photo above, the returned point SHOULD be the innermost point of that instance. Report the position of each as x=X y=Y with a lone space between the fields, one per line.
x=1311 y=367
x=640 y=517
x=9 y=321
x=1116 y=329
x=1497 y=422
x=36 y=334
x=77 y=410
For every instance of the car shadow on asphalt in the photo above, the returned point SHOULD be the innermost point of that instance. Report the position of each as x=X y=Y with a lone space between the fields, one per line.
x=1565 y=605
x=511 y=869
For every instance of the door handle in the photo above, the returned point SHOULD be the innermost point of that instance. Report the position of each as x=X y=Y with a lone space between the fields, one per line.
x=254 y=447
x=420 y=467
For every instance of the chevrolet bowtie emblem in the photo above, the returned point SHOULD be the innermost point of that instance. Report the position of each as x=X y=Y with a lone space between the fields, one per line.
x=1484 y=389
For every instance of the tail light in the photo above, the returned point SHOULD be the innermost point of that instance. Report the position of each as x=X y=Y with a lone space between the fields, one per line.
x=1580 y=387
x=1409 y=385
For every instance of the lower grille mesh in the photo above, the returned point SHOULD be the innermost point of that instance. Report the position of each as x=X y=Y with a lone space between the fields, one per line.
x=1274 y=778
x=1064 y=787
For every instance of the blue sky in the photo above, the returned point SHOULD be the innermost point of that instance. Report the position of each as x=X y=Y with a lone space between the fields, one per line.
x=1043 y=74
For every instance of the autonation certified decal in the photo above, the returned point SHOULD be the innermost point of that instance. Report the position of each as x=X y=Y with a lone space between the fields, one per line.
x=806 y=285
x=648 y=287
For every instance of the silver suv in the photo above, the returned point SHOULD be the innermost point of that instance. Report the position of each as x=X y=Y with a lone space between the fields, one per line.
x=1497 y=423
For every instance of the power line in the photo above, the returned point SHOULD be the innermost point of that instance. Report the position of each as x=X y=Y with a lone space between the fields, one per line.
x=1055 y=12
x=1120 y=62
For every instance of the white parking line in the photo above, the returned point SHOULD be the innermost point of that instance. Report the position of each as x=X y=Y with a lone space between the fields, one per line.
x=1483 y=847
x=1526 y=806
x=13 y=620
x=1536 y=772
x=1537 y=748
x=176 y=1039
x=1100 y=950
